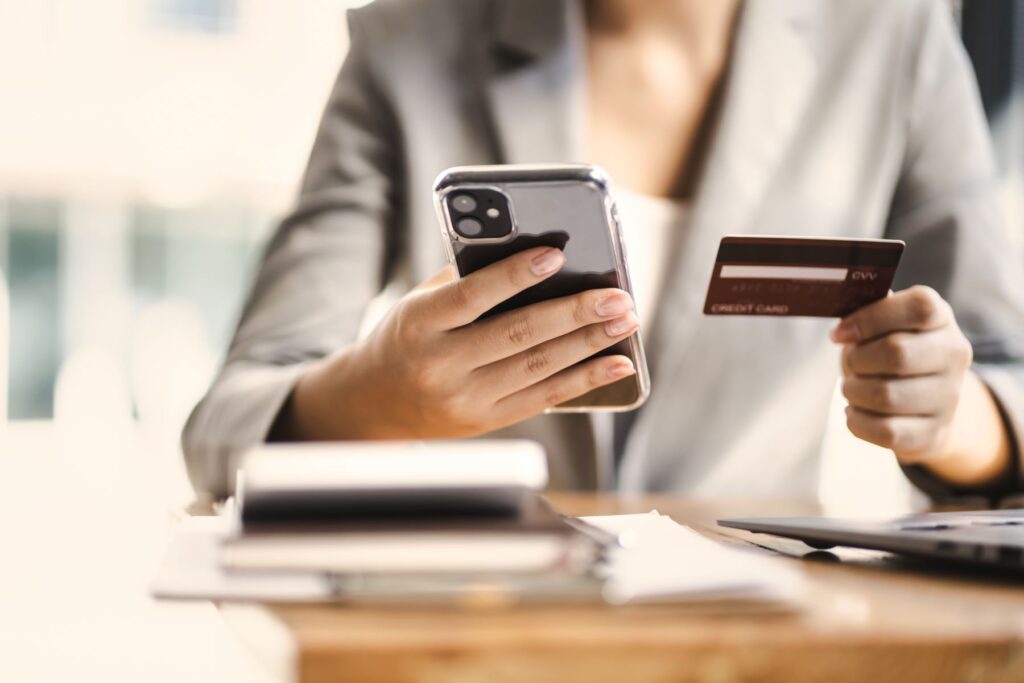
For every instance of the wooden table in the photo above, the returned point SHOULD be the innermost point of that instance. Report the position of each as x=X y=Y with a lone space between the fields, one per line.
x=870 y=617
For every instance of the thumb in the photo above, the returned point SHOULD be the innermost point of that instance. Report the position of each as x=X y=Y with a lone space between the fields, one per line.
x=441 y=277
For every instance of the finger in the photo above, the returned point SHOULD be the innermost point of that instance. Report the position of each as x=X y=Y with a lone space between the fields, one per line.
x=903 y=354
x=516 y=331
x=533 y=365
x=927 y=395
x=904 y=434
x=564 y=386
x=911 y=310
x=461 y=302
x=443 y=276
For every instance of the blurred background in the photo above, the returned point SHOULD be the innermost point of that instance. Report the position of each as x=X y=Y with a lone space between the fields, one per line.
x=147 y=148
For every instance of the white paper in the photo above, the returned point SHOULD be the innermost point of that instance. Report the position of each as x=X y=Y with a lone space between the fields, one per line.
x=191 y=570
x=660 y=559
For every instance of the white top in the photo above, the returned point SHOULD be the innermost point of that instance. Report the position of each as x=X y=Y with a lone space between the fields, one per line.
x=650 y=227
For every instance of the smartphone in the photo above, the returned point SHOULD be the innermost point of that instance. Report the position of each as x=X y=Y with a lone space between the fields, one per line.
x=488 y=213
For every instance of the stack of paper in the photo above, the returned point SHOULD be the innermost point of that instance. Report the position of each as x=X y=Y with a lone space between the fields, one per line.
x=408 y=521
x=536 y=540
x=401 y=508
x=657 y=561
x=660 y=560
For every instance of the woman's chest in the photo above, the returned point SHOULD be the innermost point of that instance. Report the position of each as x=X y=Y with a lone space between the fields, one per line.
x=644 y=115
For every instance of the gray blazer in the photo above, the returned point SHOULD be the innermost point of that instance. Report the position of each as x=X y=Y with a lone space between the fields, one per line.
x=854 y=118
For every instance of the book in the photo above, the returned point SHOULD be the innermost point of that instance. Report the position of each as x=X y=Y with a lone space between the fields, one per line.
x=467 y=507
x=536 y=540
x=310 y=482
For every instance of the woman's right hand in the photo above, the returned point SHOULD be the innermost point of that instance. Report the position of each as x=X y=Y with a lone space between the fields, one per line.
x=430 y=369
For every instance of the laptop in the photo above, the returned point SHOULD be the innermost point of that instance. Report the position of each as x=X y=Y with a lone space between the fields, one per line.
x=993 y=538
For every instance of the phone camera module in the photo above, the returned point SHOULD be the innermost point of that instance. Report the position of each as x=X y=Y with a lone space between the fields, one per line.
x=463 y=203
x=480 y=214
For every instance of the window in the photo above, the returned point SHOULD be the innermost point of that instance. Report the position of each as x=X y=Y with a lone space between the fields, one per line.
x=32 y=236
x=200 y=16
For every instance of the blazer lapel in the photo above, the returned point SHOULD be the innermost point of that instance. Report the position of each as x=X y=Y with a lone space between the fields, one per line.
x=534 y=84
x=766 y=90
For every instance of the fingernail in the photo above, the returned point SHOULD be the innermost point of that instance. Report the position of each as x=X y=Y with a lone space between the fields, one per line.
x=621 y=369
x=613 y=328
x=546 y=262
x=613 y=304
x=845 y=332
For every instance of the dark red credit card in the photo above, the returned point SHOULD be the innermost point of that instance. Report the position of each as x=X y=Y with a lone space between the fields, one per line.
x=821 y=277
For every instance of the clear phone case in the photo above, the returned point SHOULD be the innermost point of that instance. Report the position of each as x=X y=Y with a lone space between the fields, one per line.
x=564 y=206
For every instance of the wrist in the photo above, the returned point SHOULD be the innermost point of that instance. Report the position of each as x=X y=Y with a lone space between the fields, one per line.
x=977 y=448
x=330 y=401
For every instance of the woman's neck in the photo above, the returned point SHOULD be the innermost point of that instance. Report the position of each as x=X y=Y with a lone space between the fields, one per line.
x=701 y=24
x=654 y=68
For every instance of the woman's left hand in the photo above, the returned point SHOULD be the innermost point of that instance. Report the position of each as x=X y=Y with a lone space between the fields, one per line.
x=905 y=362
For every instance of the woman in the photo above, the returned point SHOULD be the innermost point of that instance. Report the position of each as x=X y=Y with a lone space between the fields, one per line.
x=837 y=119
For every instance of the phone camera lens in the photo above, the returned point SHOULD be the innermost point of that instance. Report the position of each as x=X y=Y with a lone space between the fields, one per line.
x=463 y=203
x=469 y=227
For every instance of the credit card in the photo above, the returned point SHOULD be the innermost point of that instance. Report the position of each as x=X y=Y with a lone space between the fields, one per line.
x=820 y=276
